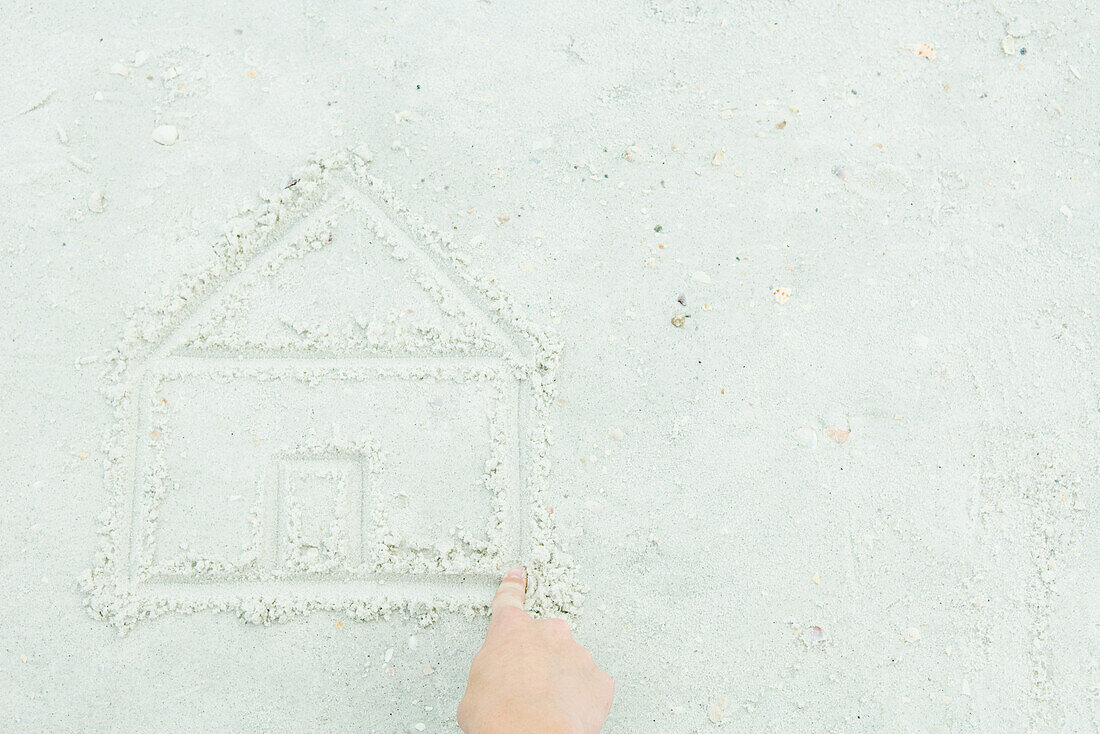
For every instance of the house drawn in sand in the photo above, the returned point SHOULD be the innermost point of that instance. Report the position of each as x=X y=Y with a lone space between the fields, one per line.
x=336 y=414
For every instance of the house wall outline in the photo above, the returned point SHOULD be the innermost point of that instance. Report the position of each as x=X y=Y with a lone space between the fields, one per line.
x=119 y=587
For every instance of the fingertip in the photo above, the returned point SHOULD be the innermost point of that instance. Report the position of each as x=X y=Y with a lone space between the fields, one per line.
x=512 y=591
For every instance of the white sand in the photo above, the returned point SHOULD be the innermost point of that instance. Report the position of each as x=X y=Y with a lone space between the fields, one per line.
x=767 y=336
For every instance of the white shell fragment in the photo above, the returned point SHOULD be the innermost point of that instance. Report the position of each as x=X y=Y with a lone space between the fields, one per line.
x=364 y=153
x=97 y=202
x=166 y=134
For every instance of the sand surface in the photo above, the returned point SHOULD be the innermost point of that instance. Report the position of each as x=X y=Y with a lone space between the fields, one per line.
x=766 y=335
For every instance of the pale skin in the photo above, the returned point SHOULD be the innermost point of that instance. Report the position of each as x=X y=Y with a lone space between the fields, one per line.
x=531 y=676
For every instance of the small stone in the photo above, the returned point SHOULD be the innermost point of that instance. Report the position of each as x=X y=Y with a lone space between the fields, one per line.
x=166 y=134
x=413 y=642
x=97 y=202
x=120 y=70
x=596 y=508
x=62 y=136
x=1008 y=45
x=700 y=277
x=389 y=655
x=842 y=172
x=912 y=634
x=781 y=295
x=617 y=434
x=840 y=435
x=419 y=727
x=716 y=159
x=140 y=57
x=1018 y=27
x=427 y=670
x=816 y=578
x=1066 y=212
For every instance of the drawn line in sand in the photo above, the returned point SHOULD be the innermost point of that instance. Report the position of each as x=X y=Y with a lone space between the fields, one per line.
x=336 y=414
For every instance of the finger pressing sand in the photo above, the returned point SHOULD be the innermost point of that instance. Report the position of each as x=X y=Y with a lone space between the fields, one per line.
x=512 y=591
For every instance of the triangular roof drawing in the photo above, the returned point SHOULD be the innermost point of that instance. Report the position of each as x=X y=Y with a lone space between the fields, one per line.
x=329 y=280
x=337 y=226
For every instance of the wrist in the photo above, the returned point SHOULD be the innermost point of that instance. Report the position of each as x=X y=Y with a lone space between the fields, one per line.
x=526 y=723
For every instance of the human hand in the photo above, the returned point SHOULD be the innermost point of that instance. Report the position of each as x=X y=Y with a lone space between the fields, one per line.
x=530 y=676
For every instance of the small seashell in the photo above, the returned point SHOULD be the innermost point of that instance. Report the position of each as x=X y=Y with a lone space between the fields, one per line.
x=97 y=201
x=166 y=134
x=716 y=710
x=782 y=295
x=617 y=434
x=716 y=159
x=807 y=436
x=912 y=634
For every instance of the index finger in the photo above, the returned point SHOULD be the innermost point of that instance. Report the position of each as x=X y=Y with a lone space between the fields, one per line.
x=512 y=591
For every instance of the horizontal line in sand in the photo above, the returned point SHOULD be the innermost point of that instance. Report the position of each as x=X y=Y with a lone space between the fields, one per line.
x=462 y=589
x=219 y=362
